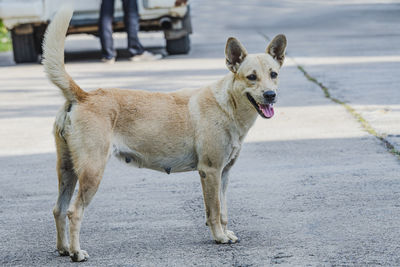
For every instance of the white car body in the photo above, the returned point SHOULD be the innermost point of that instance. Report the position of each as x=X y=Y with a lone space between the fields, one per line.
x=15 y=12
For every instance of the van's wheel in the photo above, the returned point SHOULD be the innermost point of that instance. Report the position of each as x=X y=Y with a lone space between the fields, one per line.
x=38 y=38
x=179 y=46
x=23 y=42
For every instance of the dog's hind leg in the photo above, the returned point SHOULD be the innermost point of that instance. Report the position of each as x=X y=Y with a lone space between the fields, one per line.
x=66 y=185
x=90 y=173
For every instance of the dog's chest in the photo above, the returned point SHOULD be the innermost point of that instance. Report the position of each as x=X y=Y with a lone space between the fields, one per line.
x=234 y=150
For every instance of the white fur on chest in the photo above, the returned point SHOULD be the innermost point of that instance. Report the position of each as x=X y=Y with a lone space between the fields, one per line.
x=236 y=141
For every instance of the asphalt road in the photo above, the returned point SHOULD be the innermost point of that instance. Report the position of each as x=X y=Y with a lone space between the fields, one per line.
x=312 y=187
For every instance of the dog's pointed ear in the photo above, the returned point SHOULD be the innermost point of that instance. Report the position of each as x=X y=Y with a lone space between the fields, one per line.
x=277 y=47
x=235 y=53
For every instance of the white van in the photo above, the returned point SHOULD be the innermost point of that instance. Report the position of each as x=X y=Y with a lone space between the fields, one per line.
x=27 y=20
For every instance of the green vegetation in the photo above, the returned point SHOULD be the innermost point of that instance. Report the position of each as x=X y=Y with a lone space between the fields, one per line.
x=5 y=41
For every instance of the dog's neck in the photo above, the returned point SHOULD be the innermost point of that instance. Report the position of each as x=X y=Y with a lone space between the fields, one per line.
x=234 y=103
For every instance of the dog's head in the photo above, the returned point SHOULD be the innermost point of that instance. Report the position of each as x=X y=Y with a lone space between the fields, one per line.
x=256 y=76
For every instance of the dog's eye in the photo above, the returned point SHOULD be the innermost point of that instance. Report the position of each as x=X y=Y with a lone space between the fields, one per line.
x=273 y=74
x=252 y=77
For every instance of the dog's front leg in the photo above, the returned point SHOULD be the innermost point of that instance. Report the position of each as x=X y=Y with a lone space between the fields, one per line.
x=224 y=209
x=211 y=183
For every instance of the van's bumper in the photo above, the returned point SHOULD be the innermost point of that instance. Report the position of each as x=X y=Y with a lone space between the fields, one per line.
x=14 y=12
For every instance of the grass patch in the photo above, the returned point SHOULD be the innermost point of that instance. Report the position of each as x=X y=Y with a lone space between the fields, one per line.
x=5 y=40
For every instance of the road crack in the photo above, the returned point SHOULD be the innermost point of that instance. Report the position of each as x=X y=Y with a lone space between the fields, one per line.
x=364 y=123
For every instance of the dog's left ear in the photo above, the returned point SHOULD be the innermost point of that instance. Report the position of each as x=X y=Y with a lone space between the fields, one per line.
x=277 y=48
x=235 y=53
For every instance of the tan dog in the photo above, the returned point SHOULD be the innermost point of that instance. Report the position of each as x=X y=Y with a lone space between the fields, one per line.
x=190 y=130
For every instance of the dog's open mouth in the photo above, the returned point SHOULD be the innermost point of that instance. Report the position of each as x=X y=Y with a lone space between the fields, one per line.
x=265 y=110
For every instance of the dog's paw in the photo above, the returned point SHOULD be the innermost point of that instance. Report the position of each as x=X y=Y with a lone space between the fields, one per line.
x=63 y=252
x=228 y=238
x=223 y=239
x=80 y=255
x=232 y=237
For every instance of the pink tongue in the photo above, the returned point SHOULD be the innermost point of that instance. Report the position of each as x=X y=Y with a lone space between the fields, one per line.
x=267 y=110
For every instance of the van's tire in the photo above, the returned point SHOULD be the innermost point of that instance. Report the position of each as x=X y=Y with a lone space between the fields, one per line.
x=24 y=47
x=179 y=46
x=38 y=38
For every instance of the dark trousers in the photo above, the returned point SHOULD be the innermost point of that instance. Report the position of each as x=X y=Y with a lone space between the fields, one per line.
x=131 y=21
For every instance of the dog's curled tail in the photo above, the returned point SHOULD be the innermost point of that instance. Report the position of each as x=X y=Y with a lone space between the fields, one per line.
x=53 y=55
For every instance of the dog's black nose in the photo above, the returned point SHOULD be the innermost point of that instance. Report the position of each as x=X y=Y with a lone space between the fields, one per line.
x=269 y=95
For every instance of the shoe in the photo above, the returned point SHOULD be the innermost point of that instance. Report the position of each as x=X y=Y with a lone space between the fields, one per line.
x=108 y=60
x=146 y=56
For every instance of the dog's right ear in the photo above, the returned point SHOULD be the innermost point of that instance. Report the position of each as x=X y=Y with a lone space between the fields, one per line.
x=235 y=53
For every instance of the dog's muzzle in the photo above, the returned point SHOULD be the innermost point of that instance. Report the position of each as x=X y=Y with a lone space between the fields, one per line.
x=266 y=109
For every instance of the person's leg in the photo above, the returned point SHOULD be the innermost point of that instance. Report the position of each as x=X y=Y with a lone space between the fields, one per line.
x=105 y=29
x=131 y=20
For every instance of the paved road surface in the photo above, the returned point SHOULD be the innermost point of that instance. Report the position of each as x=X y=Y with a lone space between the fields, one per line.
x=311 y=187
